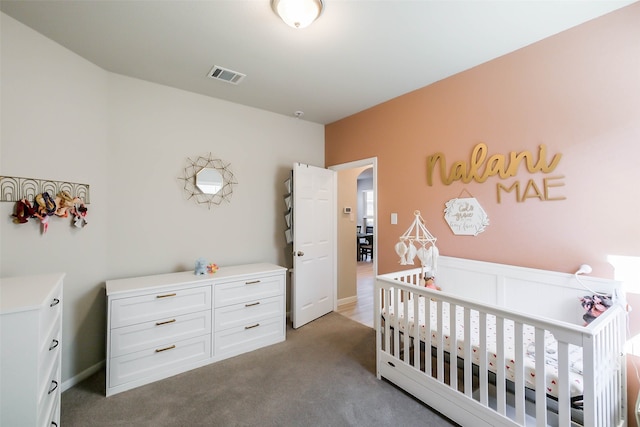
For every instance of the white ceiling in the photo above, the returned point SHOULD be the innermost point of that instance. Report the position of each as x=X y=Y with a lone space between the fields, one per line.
x=358 y=54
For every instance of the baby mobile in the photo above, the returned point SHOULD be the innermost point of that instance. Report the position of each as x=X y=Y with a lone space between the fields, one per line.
x=426 y=250
x=45 y=206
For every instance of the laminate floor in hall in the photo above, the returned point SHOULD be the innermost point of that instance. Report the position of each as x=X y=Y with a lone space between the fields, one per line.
x=361 y=310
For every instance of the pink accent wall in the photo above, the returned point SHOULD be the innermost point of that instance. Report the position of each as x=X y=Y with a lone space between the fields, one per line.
x=577 y=92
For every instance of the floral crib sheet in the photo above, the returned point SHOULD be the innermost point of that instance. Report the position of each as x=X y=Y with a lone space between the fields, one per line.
x=551 y=361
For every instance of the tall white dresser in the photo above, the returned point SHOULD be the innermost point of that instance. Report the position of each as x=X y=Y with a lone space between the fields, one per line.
x=30 y=350
x=161 y=325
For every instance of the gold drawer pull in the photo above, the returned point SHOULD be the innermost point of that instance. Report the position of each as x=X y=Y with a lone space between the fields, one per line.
x=160 y=350
x=54 y=385
x=252 y=282
x=252 y=326
x=251 y=305
x=55 y=302
x=54 y=344
x=166 y=295
x=165 y=322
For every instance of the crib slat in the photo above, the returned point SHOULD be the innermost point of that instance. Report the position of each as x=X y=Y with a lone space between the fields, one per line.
x=612 y=407
x=406 y=295
x=468 y=354
x=613 y=380
x=616 y=329
x=453 y=346
x=605 y=383
x=417 y=321
x=501 y=384
x=540 y=380
x=483 y=367
x=396 y=332
x=387 y=323
x=601 y=400
x=518 y=372
x=591 y=405
x=616 y=404
x=564 y=391
x=440 y=343
x=427 y=338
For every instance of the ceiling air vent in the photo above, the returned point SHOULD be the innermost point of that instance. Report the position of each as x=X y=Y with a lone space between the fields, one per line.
x=226 y=75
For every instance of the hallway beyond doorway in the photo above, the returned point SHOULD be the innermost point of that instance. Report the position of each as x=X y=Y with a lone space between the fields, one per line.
x=361 y=310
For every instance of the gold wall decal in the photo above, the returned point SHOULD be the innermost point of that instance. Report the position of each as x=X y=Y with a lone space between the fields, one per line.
x=14 y=189
x=531 y=190
x=479 y=168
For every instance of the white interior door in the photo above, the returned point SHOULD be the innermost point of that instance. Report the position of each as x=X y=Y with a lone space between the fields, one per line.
x=313 y=278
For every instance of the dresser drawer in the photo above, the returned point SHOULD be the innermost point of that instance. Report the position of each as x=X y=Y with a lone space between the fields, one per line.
x=146 y=308
x=130 y=339
x=239 y=339
x=251 y=289
x=53 y=418
x=52 y=310
x=53 y=332
x=248 y=313
x=159 y=361
x=49 y=393
x=50 y=341
x=49 y=358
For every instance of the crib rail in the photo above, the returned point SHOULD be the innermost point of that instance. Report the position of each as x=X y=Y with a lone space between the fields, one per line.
x=438 y=368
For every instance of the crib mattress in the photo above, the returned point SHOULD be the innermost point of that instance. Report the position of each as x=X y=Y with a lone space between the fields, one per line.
x=551 y=361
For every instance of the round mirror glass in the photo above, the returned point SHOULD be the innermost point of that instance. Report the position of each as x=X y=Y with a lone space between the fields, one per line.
x=209 y=181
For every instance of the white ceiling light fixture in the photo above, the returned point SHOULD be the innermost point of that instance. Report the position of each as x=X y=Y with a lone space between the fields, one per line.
x=298 y=13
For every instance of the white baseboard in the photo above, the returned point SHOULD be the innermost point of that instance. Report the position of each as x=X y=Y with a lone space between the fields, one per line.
x=66 y=385
x=347 y=300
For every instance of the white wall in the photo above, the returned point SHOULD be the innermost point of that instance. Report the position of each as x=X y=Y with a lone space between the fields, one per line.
x=63 y=118
x=153 y=226
x=53 y=121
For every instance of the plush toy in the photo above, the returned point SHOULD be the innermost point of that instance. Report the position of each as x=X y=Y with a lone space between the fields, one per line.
x=594 y=306
x=429 y=282
x=201 y=267
x=212 y=268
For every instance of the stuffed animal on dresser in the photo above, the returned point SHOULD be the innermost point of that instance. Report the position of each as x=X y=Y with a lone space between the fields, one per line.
x=201 y=267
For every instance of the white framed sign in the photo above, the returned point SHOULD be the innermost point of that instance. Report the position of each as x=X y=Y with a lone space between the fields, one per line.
x=465 y=216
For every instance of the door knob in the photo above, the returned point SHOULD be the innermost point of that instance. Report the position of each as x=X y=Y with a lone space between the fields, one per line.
x=300 y=253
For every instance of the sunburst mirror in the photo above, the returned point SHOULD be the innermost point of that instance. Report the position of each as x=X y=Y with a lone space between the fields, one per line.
x=208 y=180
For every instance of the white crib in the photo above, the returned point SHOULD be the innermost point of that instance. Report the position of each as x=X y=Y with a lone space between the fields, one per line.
x=487 y=313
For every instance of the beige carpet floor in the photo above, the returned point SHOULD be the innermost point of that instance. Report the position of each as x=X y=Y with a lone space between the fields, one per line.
x=322 y=375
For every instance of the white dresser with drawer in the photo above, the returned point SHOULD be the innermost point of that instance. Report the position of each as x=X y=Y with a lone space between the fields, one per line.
x=161 y=325
x=30 y=350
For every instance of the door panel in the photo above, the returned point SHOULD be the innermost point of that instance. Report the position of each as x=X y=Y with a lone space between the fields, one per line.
x=313 y=277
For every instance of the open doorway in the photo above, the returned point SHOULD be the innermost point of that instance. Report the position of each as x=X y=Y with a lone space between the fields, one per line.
x=356 y=239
